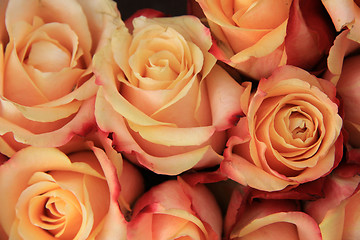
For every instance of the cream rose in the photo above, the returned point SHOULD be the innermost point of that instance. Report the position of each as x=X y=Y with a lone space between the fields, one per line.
x=47 y=87
x=290 y=135
x=162 y=96
x=47 y=194
x=175 y=210
x=338 y=212
x=257 y=36
x=268 y=219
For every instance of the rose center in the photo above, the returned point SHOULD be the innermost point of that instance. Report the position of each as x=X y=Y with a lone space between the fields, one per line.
x=298 y=126
x=56 y=212
x=48 y=57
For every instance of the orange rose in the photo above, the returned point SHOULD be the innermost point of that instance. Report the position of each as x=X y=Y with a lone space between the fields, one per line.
x=338 y=212
x=175 y=210
x=290 y=135
x=257 y=36
x=162 y=96
x=47 y=87
x=268 y=219
x=47 y=194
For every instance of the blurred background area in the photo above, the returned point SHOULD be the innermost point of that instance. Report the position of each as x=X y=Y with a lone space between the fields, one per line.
x=168 y=7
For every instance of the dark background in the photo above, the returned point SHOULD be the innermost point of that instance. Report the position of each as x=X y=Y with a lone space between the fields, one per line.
x=168 y=7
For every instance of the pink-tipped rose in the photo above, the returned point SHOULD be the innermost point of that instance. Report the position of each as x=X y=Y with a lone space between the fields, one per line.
x=162 y=96
x=338 y=212
x=47 y=194
x=47 y=87
x=175 y=210
x=268 y=219
x=257 y=36
x=290 y=135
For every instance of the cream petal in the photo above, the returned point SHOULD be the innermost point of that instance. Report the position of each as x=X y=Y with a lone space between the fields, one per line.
x=341 y=12
x=170 y=136
x=258 y=16
x=306 y=227
x=225 y=98
x=264 y=46
x=49 y=135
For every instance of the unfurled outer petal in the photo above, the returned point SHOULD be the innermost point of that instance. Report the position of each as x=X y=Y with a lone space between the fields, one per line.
x=174 y=209
x=44 y=134
x=337 y=213
x=270 y=218
x=290 y=135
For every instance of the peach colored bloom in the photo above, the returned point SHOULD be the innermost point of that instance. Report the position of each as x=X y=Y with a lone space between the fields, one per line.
x=257 y=36
x=47 y=87
x=338 y=212
x=47 y=194
x=175 y=210
x=268 y=219
x=163 y=97
x=290 y=135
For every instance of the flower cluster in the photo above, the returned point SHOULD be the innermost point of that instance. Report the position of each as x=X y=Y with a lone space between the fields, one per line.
x=235 y=120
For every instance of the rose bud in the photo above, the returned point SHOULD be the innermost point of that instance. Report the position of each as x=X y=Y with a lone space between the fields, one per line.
x=47 y=194
x=256 y=37
x=338 y=212
x=162 y=96
x=47 y=85
x=290 y=135
x=175 y=210
x=268 y=219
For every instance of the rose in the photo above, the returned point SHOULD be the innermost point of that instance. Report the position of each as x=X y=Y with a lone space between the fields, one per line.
x=270 y=219
x=175 y=210
x=47 y=87
x=258 y=36
x=290 y=135
x=47 y=194
x=163 y=98
x=337 y=213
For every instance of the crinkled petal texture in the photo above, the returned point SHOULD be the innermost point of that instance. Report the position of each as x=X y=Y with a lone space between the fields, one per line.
x=163 y=97
x=338 y=212
x=290 y=135
x=46 y=194
x=270 y=219
x=176 y=210
x=47 y=76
